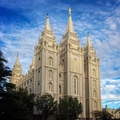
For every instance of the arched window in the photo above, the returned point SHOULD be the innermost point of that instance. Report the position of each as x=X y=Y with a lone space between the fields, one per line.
x=39 y=74
x=95 y=105
x=38 y=87
x=94 y=83
x=75 y=65
x=94 y=94
x=50 y=87
x=94 y=72
x=39 y=61
x=75 y=80
x=50 y=60
x=60 y=89
x=50 y=74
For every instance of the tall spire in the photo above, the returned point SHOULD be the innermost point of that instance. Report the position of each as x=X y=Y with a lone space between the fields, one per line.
x=16 y=72
x=88 y=40
x=33 y=62
x=17 y=60
x=69 y=27
x=47 y=25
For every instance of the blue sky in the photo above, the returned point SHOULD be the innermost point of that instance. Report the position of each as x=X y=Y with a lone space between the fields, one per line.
x=21 y=23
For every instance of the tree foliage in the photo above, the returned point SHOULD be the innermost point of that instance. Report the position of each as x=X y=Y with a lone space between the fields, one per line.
x=46 y=105
x=14 y=105
x=5 y=72
x=69 y=108
x=102 y=115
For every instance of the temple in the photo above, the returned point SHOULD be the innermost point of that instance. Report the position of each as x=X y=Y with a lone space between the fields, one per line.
x=63 y=69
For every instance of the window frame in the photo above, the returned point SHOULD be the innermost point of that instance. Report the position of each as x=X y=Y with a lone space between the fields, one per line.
x=50 y=61
x=75 y=85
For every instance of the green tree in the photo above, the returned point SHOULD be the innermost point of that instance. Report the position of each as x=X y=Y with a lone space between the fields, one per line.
x=69 y=108
x=102 y=115
x=46 y=105
x=14 y=105
x=28 y=99
x=5 y=72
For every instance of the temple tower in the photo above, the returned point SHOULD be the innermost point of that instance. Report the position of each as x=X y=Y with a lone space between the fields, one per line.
x=92 y=79
x=16 y=72
x=46 y=63
x=72 y=58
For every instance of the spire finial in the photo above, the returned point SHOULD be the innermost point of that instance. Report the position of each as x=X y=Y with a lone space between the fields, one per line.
x=69 y=10
x=47 y=26
x=88 y=36
x=88 y=40
x=17 y=60
x=17 y=54
x=69 y=27
x=88 y=33
x=47 y=15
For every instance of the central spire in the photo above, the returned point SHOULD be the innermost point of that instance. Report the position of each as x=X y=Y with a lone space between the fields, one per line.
x=69 y=27
x=47 y=25
x=17 y=60
x=88 y=40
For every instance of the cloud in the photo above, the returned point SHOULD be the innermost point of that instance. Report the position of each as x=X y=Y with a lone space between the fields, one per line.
x=21 y=41
x=111 y=104
x=110 y=89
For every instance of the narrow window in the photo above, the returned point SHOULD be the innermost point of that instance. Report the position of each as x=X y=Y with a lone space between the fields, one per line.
x=95 y=105
x=50 y=87
x=75 y=65
x=38 y=87
x=38 y=74
x=94 y=83
x=59 y=89
x=39 y=61
x=94 y=72
x=94 y=94
x=50 y=61
x=50 y=74
x=75 y=85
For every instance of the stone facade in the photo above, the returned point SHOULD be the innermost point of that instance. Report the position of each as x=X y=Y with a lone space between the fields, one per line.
x=63 y=69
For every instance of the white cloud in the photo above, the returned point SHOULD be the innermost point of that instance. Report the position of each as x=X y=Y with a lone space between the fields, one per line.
x=110 y=89
x=23 y=42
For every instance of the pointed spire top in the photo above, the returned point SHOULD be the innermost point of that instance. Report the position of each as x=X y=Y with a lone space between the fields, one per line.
x=17 y=60
x=88 y=40
x=33 y=60
x=17 y=54
x=47 y=25
x=70 y=27
x=32 y=64
x=47 y=16
x=69 y=10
